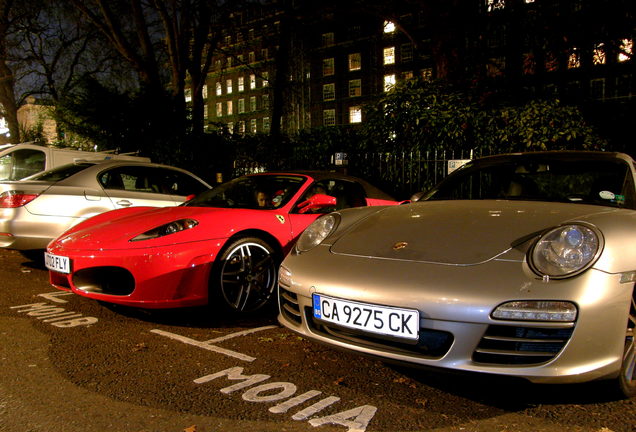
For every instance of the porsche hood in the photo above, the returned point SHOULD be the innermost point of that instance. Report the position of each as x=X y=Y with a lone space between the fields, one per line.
x=454 y=232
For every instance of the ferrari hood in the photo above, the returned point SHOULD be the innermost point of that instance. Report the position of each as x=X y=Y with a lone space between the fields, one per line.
x=454 y=232
x=117 y=231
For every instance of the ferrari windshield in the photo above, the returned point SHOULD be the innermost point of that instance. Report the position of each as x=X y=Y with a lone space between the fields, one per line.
x=251 y=192
x=599 y=181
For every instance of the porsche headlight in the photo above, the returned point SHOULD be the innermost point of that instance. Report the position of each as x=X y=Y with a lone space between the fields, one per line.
x=167 y=229
x=565 y=251
x=316 y=233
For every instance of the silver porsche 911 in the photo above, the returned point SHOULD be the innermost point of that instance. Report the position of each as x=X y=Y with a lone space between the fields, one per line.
x=521 y=265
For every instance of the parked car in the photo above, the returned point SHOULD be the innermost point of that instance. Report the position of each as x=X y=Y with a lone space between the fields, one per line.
x=38 y=209
x=521 y=265
x=222 y=247
x=18 y=161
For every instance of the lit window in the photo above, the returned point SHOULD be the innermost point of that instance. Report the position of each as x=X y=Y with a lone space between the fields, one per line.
x=265 y=101
x=253 y=125
x=241 y=84
x=229 y=61
x=598 y=57
x=219 y=109
x=355 y=62
x=252 y=103
x=492 y=5
x=574 y=60
x=355 y=88
x=188 y=95
x=328 y=67
x=204 y=91
x=230 y=110
x=427 y=74
x=241 y=127
x=228 y=86
x=230 y=127
x=355 y=114
x=329 y=117
x=241 y=106
x=266 y=124
x=265 y=79
x=328 y=92
x=205 y=111
x=389 y=82
x=389 y=55
x=219 y=89
x=252 y=81
x=389 y=26
x=551 y=62
x=240 y=59
x=626 y=50
x=327 y=39
x=228 y=40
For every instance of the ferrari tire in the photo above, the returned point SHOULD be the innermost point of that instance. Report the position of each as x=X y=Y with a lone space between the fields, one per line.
x=245 y=275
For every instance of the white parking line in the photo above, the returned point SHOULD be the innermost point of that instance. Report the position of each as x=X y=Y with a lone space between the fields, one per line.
x=208 y=345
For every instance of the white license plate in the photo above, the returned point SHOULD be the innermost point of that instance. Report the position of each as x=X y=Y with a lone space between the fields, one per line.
x=57 y=263
x=385 y=320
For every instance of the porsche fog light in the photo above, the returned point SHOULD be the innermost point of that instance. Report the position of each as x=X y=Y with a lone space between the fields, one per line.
x=167 y=229
x=284 y=276
x=316 y=233
x=559 y=311
x=565 y=251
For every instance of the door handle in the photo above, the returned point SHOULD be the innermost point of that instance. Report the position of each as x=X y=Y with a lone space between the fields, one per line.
x=124 y=203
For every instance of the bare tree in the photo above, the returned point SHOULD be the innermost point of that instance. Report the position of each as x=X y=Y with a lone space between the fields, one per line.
x=7 y=76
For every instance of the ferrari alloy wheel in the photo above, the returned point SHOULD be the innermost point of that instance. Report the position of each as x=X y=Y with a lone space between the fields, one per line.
x=627 y=378
x=247 y=275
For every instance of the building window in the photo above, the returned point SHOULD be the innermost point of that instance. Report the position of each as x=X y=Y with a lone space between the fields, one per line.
x=230 y=127
x=328 y=92
x=493 y=5
x=252 y=103
x=265 y=79
x=328 y=68
x=329 y=117
x=252 y=81
x=241 y=106
x=529 y=64
x=251 y=34
x=574 y=60
x=228 y=86
x=355 y=62
x=328 y=39
x=240 y=59
x=241 y=84
x=205 y=111
x=266 y=126
x=389 y=27
x=251 y=57
x=355 y=114
x=265 y=102
x=496 y=67
x=253 y=126
x=407 y=75
x=597 y=88
x=219 y=89
x=241 y=127
x=551 y=62
x=264 y=53
x=219 y=109
x=389 y=82
x=406 y=52
x=626 y=50
x=204 y=91
x=228 y=40
x=188 y=95
x=623 y=85
x=229 y=61
x=355 y=88
x=427 y=74
x=230 y=109
x=598 y=57
x=389 y=55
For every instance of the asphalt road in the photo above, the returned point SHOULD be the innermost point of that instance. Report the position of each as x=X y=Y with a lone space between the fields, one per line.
x=71 y=364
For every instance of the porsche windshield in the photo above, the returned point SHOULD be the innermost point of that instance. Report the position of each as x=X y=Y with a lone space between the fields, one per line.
x=263 y=192
x=600 y=181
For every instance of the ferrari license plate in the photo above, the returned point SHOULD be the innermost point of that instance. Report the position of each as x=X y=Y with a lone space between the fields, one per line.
x=57 y=263
x=385 y=320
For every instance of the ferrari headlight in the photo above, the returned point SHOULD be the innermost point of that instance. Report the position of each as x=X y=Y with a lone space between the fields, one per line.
x=167 y=229
x=565 y=251
x=316 y=233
